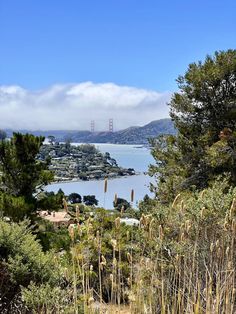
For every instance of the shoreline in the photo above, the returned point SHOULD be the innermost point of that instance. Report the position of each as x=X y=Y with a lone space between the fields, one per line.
x=92 y=180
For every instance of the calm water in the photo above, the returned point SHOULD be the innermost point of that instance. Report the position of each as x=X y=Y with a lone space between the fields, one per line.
x=128 y=156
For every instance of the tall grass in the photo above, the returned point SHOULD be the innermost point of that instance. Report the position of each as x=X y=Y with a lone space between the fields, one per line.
x=180 y=262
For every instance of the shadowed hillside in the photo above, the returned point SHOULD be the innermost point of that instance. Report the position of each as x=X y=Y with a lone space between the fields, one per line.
x=131 y=135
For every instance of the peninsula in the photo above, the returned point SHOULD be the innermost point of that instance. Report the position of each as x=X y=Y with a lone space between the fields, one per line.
x=82 y=162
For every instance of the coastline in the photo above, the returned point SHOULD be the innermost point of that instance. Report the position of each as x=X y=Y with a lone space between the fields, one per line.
x=94 y=180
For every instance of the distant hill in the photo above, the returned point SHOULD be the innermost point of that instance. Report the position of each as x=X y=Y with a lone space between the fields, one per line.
x=131 y=135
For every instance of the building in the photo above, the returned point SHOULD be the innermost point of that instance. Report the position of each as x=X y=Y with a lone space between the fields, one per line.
x=58 y=219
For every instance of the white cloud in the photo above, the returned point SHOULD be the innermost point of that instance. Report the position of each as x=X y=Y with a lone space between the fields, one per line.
x=73 y=106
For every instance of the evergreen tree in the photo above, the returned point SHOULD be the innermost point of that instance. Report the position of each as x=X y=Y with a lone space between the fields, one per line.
x=90 y=200
x=22 y=175
x=74 y=198
x=204 y=114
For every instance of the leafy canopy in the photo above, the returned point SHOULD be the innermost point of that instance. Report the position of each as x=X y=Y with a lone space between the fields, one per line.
x=204 y=114
x=22 y=175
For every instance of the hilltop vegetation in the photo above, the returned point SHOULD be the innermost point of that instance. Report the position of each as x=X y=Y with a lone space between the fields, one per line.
x=180 y=258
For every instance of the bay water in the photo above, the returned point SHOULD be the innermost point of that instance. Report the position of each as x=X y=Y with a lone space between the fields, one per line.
x=127 y=156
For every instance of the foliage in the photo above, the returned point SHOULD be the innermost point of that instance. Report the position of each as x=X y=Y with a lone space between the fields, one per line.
x=121 y=203
x=99 y=249
x=53 y=239
x=50 y=201
x=74 y=198
x=179 y=259
x=14 y=207
x=22 y=261
x=90 y=200
x=22 y=174
x=46 y=299
x=88 y=148
x=204 y=114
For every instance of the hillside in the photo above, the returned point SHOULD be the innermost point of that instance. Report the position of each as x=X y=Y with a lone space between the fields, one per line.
x=131 y=135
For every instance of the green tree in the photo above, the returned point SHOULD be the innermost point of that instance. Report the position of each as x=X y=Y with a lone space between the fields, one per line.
x=22 y=175
x=121 y=202
x=88 y=148
x=50 y=201
x=90 y=200
x=74 y=198
x=22 y=262
x=204 y=114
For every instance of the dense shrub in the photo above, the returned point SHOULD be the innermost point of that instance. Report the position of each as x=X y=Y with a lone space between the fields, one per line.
x=23 y=263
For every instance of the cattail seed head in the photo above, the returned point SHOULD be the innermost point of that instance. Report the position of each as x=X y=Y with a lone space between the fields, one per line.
x=117 y=222
x=128 y=235
x=129 y=257
x=71 y=232
x=161 y=233
x=141 y=222
x=132 y=196
x=115 y=199
x=202 y=194
x=79 y=229
x=129 y=281
x=151 y=227
x=114 y=262
x=90 y=300
x=114 y=244
x=104 y=261
x=105 y=185
x=202 y=212
x=122 y=210
x=65 y=204
x=175 y=201
x=77 y=212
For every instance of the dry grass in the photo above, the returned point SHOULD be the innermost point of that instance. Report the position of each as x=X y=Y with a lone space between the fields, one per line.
x=182 y=266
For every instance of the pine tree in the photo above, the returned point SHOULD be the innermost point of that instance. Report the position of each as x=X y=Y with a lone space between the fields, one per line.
x=204 y=114
x=22 y=175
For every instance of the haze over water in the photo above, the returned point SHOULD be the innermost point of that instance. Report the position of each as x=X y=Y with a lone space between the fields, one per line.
x=128 y=156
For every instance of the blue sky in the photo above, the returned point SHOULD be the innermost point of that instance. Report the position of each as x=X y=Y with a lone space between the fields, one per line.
x=144 y=44
x=139 y=43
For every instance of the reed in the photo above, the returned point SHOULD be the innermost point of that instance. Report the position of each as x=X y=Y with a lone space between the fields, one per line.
x=184 y=263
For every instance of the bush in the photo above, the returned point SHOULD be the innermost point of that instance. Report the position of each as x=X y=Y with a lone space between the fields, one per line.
x=74 y=198
x=22 y=261
x=121 y=203
x=90 y=200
